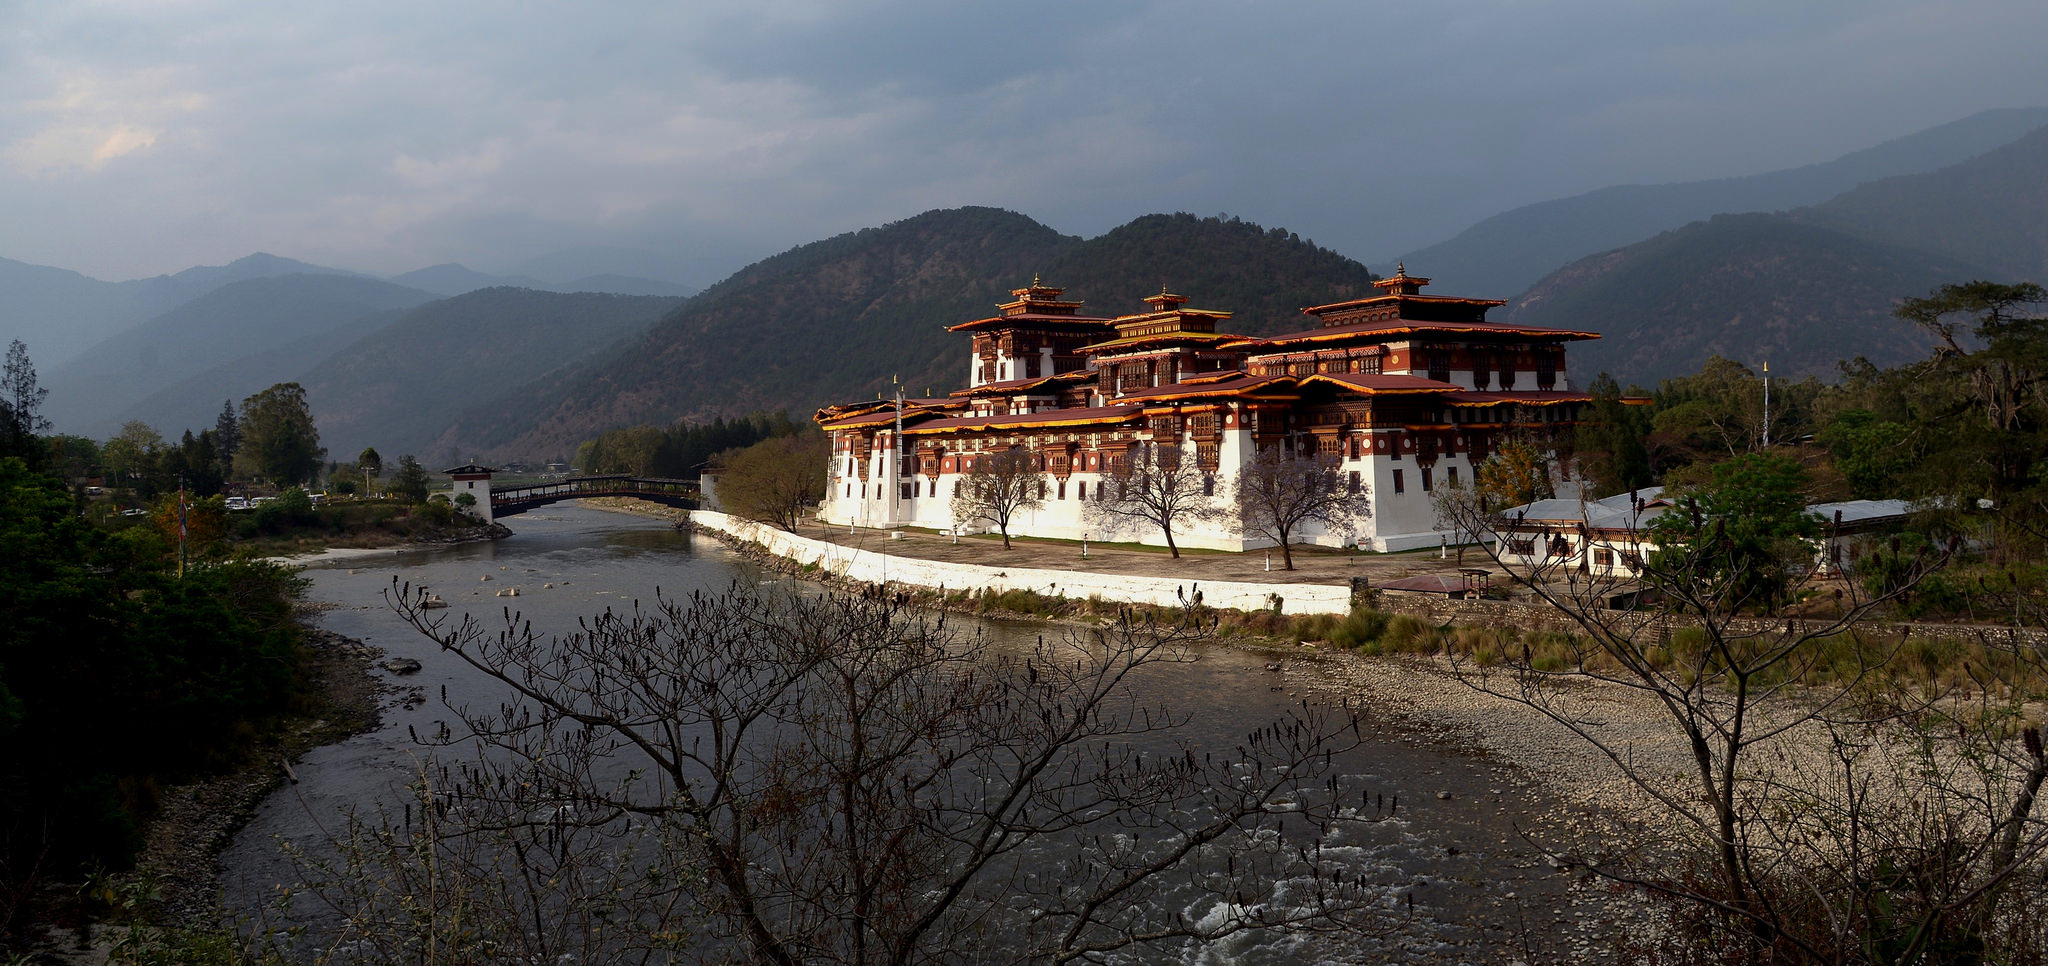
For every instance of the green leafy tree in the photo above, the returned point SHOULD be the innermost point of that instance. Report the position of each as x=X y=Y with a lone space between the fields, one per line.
x=371 y=465
x=1873 y=454
x=409 y=483
x=1517 y=472
x=1747 y=519
x=2001 y=382
x=133 y=456
x=227 y=436
x=279 y=440
x=114 y=672
x=1609 y=442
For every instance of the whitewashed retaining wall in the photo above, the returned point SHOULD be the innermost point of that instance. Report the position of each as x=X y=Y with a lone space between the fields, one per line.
x=880 y=568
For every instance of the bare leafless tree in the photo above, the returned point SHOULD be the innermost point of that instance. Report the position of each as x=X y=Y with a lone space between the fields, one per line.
x=838 y=779
x=1158 y=486
x=1278 y=494
x=997 y=488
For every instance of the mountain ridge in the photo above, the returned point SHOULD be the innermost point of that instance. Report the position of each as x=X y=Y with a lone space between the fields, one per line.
x=1502 y=255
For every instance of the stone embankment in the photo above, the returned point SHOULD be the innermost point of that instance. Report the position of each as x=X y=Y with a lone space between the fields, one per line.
x=869 y=566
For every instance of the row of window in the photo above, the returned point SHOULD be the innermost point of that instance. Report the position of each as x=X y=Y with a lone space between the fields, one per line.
x=915 y=489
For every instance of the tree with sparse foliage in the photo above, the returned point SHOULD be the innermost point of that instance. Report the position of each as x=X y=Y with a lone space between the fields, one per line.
x=997 y=487
x=278 y=438
x=409 y=483
x=131 y=457
x=775 y=480
x=1154 y=486
x=2003 y=380
x=21 y=406
x=1279 y=493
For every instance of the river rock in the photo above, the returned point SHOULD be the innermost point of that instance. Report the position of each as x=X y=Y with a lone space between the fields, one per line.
x=402 y=665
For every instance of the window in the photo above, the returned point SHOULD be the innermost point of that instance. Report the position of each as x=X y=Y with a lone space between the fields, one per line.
x=1208 y=485
x=906 y=491
x=1523 y=548
x=1451 y=474
x=1603 y=558
x=1081 y=490
x=1355 y=482
x=1398 y=486
x=1426 y=479
x=1063 y=489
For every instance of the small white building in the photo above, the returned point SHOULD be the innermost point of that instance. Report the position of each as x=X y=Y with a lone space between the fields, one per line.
x=1607 y=537
x=476 y=481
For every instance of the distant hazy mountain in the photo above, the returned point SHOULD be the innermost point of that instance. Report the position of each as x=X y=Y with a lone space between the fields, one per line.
x=452 y=279
x=837 y=319
x=194 y=403
x=1807 y=288
x=1508 y=252
x=559 y=269
x=398 y=387
x=60 y=313
x=236 y=320
x=1991 y=211
x=626 y=285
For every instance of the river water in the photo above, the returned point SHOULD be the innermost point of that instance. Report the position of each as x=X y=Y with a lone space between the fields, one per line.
x=1480 y=893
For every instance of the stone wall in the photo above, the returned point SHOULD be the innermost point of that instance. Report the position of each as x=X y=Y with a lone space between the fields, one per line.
x=867 y=566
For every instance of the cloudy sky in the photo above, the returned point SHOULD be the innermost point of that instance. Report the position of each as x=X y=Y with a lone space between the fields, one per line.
x=146 y=136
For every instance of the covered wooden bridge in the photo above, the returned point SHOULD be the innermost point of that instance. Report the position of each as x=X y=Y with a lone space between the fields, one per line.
x=519 y=499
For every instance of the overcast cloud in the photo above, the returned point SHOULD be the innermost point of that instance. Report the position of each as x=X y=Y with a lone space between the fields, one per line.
x=147 y=136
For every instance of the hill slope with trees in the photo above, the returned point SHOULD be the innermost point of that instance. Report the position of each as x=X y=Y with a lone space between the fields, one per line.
x=1807 y=288
x=397 y=387
x=235 y=321
x=837 y=319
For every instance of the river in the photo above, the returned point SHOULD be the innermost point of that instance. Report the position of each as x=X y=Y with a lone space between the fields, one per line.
x=1480 y=893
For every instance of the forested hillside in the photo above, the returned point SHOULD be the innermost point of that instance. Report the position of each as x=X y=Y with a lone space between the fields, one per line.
x=837 y=319
x=1807 y=288
x=231 y=323
x=1760 y=288
x=399 y=386
x=825 y=320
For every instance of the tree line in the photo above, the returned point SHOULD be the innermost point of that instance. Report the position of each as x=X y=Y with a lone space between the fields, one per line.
x=121 y=670
x=680 y=451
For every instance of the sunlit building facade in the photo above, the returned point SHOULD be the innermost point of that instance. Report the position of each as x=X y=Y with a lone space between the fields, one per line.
x=1402 y=391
